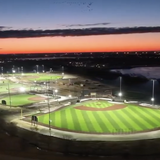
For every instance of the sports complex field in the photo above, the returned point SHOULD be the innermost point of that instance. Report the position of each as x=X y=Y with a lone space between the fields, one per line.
x=100 y=116
x=14 y=85
x=22 y=99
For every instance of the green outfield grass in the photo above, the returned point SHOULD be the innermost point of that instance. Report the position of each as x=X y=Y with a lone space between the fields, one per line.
x=19 y=100
x=131 y=118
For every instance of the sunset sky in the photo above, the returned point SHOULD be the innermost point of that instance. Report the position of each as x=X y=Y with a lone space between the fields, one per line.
x=53 y=26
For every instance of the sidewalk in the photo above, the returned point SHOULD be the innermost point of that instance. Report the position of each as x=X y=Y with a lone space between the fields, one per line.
x=86 y=137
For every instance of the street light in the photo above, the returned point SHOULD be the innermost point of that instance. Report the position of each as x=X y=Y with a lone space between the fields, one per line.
x=152 y=99
x=120 y=87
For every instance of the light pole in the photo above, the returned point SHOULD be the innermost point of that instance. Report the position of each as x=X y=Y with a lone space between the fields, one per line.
x=62 y=69
x=120 y=87
x=18 y=70
x=56 y=91
x=13 y=71
x=62 y=75
x=9 y=94
x=62 y=72
x=22 y=70
x=47 y=86
x=43 y=69
x=152 y=99
x=37 y=68
x=2 y=70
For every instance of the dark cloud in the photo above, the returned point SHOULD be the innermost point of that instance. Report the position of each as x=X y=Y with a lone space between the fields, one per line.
x=4 y=27
x=76 y=32
x=86 y=25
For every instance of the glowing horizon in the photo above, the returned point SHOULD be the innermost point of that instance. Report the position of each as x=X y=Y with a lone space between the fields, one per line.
x=105 y=43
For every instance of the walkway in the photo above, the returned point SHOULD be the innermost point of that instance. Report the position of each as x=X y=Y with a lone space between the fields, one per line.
x=87 y=137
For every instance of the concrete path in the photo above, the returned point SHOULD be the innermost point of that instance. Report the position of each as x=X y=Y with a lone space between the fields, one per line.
x=87 y=137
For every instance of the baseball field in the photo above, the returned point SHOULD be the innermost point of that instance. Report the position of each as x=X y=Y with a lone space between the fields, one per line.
x=22 y=99
x=100 y=116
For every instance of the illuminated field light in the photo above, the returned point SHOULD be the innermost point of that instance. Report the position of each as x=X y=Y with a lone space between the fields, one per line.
x=120 y=94
x=22 y=89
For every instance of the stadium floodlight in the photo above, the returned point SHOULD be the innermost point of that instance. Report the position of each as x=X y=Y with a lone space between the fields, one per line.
x=152 y=99
x=13 y=71
x=120 y=94
x=22 y=89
